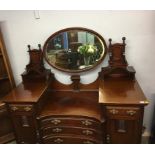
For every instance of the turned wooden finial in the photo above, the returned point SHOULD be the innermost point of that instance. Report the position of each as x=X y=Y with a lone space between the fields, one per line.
x=29 y=47
x=110 y=40
x=123 y=38
x=39 y=45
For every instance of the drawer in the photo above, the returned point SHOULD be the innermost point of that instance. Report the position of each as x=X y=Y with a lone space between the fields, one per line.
x=84 y=122
x=69 y=140
x=21 y=108
x=130 y=113
x=71 y=130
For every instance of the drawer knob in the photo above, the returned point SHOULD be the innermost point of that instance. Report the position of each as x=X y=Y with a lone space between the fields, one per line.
x=14 y=108
x=27 y=108
x=131 y=112
x=57 y=130
x=87 y=122
x=87 y=142
x=87 y=132
x=56 y=121
x=113 y=111
x=58 y=140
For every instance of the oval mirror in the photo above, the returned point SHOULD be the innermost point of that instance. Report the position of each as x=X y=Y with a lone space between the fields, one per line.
x=74 y=49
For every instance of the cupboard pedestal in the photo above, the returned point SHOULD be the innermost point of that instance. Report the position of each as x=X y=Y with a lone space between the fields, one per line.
x=123 y=104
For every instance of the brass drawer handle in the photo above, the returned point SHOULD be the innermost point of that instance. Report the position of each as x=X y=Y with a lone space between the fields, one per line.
x=14 y=108
x=3 y=110
x=27 y=108
x=87 y=142
x=87 y=132
x=57 y=130
x=58 y=140
x=87 y=122
x=108 y=139
x=131 y=112
x=56 y=121
x=113 y=111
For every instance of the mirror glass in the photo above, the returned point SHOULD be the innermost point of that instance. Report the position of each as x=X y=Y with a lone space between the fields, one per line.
x=74 y=49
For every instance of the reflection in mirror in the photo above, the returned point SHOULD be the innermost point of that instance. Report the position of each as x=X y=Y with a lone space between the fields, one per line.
x=74 y=50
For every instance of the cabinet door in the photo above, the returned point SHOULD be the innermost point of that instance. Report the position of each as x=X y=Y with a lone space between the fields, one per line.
x=123 y=131
x=124 y=124
x=24 y=122
x=25 y=129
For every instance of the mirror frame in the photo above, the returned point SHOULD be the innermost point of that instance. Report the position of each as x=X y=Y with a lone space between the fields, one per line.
x=69 y=29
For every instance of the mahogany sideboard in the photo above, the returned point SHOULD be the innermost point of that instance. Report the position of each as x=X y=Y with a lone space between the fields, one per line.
x=114 y=109
x=108 y=110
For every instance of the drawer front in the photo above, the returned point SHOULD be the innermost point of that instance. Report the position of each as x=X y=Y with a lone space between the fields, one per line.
x=130 y=113
x=69 y=121
x=70 y=130
x=69 y=140
x=21 y=108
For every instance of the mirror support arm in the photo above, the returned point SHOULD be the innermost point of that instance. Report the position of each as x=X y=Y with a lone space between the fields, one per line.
x=76 y=82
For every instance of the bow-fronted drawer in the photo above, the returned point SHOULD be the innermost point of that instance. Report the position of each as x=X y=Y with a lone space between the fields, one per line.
x=70 y=140
x=66 y=130
x=84 y=122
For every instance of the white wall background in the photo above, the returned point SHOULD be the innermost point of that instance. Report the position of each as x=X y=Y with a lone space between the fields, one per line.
x=20 y=28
